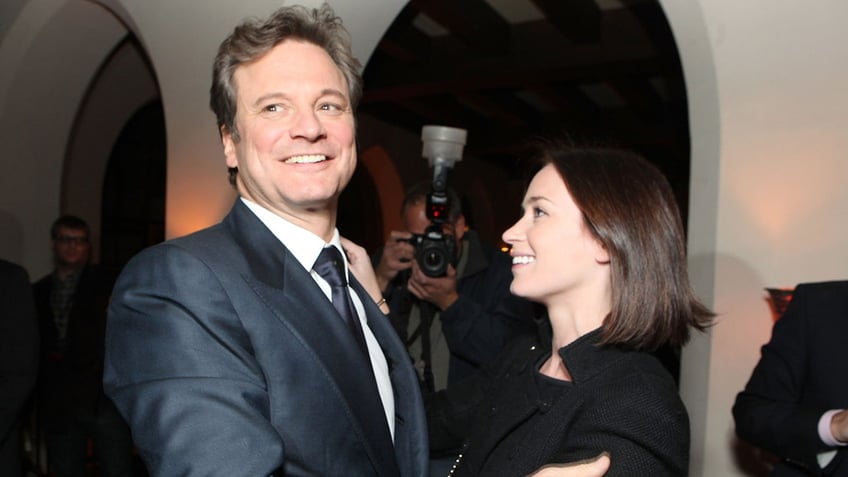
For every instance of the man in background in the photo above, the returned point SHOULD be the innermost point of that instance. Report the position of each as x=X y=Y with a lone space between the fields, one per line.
x=18 y=360
x=71 y=302
x=794 y=404
x=455 y=323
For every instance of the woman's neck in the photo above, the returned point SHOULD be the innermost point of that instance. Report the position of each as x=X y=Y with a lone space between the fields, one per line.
x=571 y=319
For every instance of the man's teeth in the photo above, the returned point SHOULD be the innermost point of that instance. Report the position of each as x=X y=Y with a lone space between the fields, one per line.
x=522 y=260
x=309 y=159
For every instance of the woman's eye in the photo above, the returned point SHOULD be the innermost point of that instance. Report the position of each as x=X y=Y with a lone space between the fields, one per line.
x=537 y=212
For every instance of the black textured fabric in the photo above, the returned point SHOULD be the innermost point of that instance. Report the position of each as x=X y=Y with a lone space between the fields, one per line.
x=513 y=420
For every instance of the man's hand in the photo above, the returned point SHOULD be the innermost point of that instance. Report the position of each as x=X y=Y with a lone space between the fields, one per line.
x=440 y=291
x=593 y=468
x=839 y=426
x=398 y=255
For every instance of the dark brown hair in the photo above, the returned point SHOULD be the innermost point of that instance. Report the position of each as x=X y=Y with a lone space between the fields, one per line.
x=628 y=206
x=68 y=222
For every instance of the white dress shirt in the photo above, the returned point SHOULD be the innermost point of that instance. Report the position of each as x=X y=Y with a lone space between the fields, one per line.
x=306 y=246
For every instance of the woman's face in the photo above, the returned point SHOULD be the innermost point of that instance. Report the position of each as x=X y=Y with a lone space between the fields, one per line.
x=554 y=256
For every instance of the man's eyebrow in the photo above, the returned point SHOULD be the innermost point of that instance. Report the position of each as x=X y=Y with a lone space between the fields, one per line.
x=277 y=94
x=335 y=92
x=266 y=97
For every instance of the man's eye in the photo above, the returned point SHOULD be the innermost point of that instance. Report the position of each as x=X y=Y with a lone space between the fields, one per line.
x=272 y=108
x=330 y=107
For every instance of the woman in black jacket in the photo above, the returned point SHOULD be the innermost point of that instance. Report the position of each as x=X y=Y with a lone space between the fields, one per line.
x=600 y=244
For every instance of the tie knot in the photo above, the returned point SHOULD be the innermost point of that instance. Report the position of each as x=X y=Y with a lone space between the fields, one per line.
x=330 y=265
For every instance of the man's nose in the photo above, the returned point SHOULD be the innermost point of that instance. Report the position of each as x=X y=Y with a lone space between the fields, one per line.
x=307 y=125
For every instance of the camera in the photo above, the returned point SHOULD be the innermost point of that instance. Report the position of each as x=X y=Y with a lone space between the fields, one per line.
x=435 y=249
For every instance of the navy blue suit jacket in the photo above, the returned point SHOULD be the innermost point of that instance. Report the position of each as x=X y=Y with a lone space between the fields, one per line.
x=226 y=359
x=800 y=375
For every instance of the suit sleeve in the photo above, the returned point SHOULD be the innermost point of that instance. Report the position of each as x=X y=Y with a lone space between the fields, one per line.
x=768 y=412
x=18 y=344
x=486 y=316
x=180 y=368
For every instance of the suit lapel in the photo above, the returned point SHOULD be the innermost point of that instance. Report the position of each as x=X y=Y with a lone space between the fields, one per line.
x=410 y=442
x=298 y=303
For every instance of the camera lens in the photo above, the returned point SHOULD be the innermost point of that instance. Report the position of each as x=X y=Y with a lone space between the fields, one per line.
x=433 y=260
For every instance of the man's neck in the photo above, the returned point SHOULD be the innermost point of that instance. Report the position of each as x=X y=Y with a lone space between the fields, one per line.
x=63 y=272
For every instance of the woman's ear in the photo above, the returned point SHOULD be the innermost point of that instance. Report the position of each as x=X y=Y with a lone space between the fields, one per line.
x=602 y=255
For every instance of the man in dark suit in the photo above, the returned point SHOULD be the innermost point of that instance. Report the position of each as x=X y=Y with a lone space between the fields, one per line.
x=794 y=404
x=72 y=408
x=254 y=347
x=18 y=360
x=230 y=351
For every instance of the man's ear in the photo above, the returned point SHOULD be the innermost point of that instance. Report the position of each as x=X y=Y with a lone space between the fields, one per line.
x=229 y=144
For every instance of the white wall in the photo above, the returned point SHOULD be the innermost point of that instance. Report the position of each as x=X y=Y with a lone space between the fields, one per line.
x=768 y=91
x=50 y=55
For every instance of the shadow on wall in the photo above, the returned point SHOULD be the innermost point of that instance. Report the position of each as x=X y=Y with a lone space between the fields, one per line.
x=12 y=238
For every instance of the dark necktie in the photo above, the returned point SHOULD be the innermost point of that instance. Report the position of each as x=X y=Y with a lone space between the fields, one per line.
x=330 y=265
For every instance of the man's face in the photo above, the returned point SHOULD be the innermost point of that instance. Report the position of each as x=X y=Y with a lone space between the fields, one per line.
x=297 y=147
x=71 y=248
x=415 y=220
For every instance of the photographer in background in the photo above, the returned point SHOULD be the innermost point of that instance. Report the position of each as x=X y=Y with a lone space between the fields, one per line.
x=470 y=312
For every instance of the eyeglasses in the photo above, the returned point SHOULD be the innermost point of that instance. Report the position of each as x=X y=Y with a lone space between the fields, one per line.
x=72 y=239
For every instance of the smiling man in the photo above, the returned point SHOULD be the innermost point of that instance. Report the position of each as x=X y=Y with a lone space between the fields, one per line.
x=247 y=348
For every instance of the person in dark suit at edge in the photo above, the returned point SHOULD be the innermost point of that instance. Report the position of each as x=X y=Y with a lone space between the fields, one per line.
x=18 y=361
x=794 y=404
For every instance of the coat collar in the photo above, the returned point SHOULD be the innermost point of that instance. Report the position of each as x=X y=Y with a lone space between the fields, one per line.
x=297 y=302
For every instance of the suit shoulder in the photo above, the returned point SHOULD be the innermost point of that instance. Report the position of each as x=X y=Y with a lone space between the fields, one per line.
x=821 y=295
x=835 y=286
x=202 y=241
x=8 y=268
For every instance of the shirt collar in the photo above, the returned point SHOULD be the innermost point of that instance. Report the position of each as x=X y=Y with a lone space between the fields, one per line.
x=303 y=244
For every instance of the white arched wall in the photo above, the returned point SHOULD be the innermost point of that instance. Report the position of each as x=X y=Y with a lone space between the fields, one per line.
x=767 y=92
x=766 y=87
x=100 y=121
x=50 y=55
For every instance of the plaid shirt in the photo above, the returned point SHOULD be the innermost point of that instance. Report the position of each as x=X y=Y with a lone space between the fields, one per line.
x=61 y=300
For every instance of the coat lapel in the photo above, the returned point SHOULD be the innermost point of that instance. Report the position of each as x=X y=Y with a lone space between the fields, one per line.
x=298 y=303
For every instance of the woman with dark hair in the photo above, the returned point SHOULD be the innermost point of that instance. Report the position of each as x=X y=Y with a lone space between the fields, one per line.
x=600 y=244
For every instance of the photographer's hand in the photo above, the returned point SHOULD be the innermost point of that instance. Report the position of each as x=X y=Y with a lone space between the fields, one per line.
x=360 y=267
x=398 y=255
x=440 y=291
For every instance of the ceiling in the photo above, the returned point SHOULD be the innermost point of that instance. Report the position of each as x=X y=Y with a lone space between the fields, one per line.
x=506 y=70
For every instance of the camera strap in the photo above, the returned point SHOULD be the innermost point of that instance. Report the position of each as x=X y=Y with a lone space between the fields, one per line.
x=427 y=313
